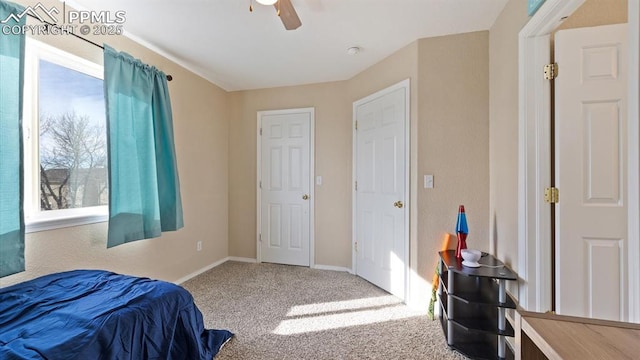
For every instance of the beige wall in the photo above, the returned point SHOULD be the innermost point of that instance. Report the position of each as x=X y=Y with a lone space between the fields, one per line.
x=332 y=162
x=503 y=132
x=597 y=12
x=201 y=126
x=453 y=141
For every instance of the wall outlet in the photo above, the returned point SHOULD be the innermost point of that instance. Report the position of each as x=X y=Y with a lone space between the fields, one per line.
x=199 y=246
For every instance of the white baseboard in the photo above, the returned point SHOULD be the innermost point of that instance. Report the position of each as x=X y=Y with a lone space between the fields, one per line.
x=252 y=261
x=242 y=259
x=198 y=272
x=332 y=268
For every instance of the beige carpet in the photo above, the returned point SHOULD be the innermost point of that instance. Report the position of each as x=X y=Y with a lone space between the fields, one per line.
x=288 y=312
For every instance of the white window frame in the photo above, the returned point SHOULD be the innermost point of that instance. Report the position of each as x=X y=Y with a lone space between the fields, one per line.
x=35 y=219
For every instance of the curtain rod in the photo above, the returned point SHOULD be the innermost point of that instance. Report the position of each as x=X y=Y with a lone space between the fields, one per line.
x=169 y=77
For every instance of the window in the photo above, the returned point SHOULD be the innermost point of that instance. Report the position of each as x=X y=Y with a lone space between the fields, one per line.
x=65 y=140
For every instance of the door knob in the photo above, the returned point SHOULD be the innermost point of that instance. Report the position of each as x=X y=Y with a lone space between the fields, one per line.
x=305 y=197
x=398 y=204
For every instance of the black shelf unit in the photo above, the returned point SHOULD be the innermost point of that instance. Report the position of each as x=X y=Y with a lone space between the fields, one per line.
x=473 y=304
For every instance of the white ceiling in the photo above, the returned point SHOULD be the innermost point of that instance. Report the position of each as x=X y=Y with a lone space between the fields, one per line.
x=238 y=50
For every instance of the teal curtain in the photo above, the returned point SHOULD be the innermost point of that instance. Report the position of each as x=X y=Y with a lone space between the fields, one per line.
x=144 y=188
x=11 y=160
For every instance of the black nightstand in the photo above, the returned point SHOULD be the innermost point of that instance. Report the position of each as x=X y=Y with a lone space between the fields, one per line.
x=473 y=305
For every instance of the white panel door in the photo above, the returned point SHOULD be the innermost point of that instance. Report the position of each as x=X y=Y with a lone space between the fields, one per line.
x=591 y=172
x=380 y=210
x=285 y=187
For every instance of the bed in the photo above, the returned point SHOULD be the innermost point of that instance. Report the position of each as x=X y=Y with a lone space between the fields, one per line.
x=92 y=314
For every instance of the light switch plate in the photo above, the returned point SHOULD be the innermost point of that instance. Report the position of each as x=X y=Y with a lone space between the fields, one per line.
x=428 y=181
x=318 y=180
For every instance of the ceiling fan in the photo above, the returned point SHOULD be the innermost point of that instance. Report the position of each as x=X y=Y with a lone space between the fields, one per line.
x=285 y=11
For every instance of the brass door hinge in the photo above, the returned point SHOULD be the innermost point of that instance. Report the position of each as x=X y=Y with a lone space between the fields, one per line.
x=356 y=186
x=550 y=71
x=551 y=195
x=356 y=125
x=355 y=246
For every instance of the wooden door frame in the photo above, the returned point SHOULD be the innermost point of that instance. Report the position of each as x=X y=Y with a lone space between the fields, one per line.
x=534 y=216
x=404 y=84
x=311 y=112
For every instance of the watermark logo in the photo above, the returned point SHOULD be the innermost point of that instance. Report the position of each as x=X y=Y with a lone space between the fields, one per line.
x=36 y=12
x=84 y=22
x=97 y=17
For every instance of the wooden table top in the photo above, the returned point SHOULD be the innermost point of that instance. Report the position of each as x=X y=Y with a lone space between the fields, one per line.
x=567 y=337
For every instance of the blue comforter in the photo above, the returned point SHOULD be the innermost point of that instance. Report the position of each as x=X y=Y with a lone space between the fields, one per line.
x=89 y=314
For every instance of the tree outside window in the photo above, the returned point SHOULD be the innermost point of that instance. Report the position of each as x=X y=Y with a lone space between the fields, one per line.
x=72 y=143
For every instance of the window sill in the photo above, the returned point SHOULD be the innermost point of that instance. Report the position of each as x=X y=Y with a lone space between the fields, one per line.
x=67 y=219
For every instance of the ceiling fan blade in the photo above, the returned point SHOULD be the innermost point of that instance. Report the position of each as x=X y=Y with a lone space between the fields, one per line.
x=288 y=14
